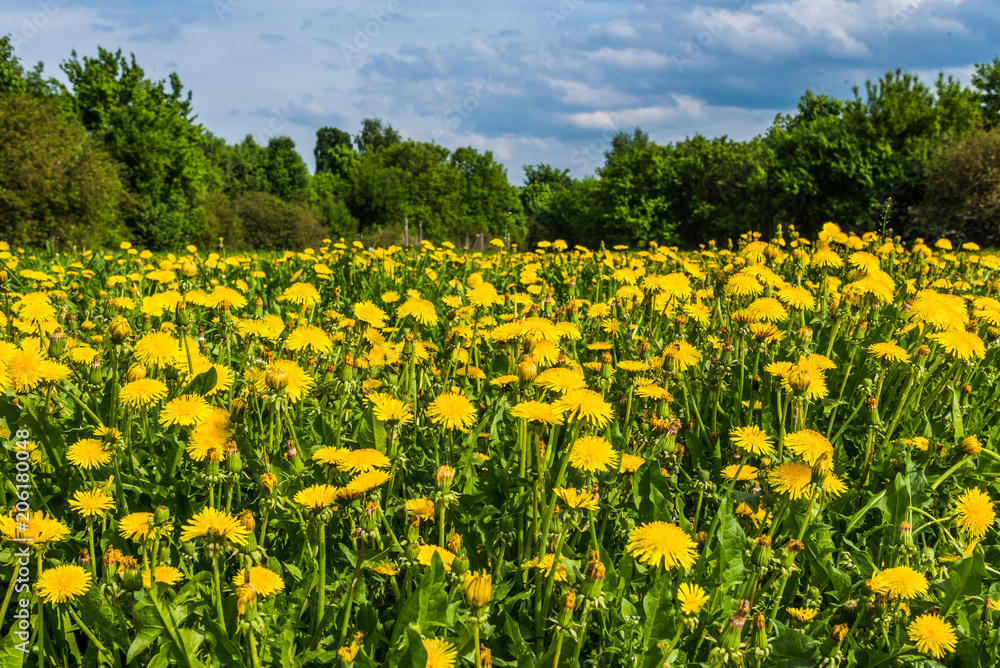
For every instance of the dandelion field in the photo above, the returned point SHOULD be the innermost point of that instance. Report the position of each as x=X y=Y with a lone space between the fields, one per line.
x=770 y=453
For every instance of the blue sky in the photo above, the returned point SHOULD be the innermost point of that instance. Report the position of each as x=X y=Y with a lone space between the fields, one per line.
x=530 y=80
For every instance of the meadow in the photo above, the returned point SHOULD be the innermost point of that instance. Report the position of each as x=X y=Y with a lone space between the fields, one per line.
x=766 y=452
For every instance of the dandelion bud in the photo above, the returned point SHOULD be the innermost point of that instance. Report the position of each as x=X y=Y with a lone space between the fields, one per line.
x=799 y=380
x=527 y=369
x=594 y=579
x=455 y=542
x=528 y=344
x=831 y=646
x=84 y=558
x=733 y=630
x=804 y=335
x=246 y=596
x=182 y=315
x=347 y=654
x=96 y=372
x=485 y=656
x=701 y=538
x=971 y=445
x=443 y=477
x=276 y=378
x=759 y=639
x=161 y=516
x=234 y=463
x=246 y=519
x=57 y=344
x=790 y=551
x=119 y=329
x=568 y=604
x=258 y=307
x=128 y=568
x=761 y=554
x=189 y=269
x=460 y=564
x=478 y=589
x=923 y=351
x=268 y=480
x=135 y=372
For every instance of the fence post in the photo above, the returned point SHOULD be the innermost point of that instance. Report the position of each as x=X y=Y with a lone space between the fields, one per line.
x=420 y=232
x=406 y=231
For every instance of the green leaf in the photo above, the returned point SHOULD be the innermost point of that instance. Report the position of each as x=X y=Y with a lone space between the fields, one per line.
x=731 y=542
x=96 y=611
x=651 y=495
x=658 y=608
x=222 y=648
x=10 y=655
x=203 y=383
x=966 y=580
x=372 y=433
x=148 y=628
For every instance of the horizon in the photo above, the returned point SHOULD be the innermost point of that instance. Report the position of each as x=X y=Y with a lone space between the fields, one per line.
x=549 y=83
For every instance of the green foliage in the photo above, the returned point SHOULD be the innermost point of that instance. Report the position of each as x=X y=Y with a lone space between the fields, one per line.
x=148 y=127
x=56 y=184
x=270 y=223
x=328 y=139
x=11 y=72
x=962 y=193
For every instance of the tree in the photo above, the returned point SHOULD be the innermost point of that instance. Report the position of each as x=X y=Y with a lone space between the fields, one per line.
x=489 y=202
x=286 y=172
x=986 y=81
x=374 y=137
x=149 y=130
x=327 y=140
x=56 y=183
x=11 y=72
x=962 y=193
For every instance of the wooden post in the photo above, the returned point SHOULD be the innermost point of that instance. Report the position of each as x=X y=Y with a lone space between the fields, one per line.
x=406 y=231
x=420 y=232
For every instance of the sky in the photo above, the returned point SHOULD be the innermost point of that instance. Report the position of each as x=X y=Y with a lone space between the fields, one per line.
x=533 y=81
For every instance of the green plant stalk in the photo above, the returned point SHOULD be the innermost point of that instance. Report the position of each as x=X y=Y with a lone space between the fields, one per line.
x=475 y=643
x=894 y=420
x=93 y=555
x=41 y=619
x=560 y=635
x=218 y=591
x=350 y=598
x=6 y=598
x=715 y=523
x=802 y=532
x=90 y=636
x=550 y=579
x=321 y=588
x=254 y=658
x=583 y=634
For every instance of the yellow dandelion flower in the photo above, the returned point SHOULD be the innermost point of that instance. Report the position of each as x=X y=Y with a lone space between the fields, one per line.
x=899 y=582
x=452 y=410
x=139 y=527
x=975 y=513
x=546 y=567
x=932 y=635
x=440 y=653
x=792 y=478
x=167 y=575
x=576 y=499
x=427 y=552
x=752 y=439
x=592 y=453
x=691 y=597
x=317 y=497
x=810 y=445
x=62 y=583
x=265 y=581
x=216 y=524
x=586 y=406
x=92 y=503
x=663 y=543
x=88 y=453
x=187 y=410
x=142 y=393
x=158 y=350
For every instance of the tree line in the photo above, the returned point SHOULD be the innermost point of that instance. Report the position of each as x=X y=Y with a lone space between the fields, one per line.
x=115 y=155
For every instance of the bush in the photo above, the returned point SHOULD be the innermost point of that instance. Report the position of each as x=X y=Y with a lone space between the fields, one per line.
x=962 y=197
x=56 y=184
x=269 y=223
